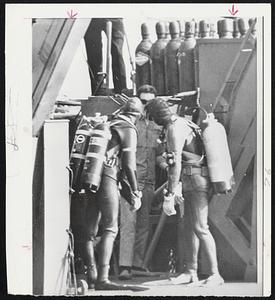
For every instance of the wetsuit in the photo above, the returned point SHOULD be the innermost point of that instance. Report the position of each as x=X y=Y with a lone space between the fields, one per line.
x=121 y=154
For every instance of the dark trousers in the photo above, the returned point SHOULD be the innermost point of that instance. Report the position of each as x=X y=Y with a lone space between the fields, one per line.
x=134 y=229
x=103 y=206
x=195 y=191
x=94 y=51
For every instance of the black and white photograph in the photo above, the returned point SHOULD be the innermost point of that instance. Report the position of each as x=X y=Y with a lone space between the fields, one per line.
x=138 y=149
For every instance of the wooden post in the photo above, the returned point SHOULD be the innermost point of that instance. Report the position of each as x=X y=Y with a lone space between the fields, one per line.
x=108 y=60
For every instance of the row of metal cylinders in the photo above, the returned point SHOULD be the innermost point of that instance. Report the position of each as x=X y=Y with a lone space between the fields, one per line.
x=224 y=28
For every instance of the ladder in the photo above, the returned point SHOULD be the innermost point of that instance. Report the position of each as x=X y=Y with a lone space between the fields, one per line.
x=224 y=102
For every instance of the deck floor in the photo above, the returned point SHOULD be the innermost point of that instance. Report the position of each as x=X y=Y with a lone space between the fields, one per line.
x=227 y=289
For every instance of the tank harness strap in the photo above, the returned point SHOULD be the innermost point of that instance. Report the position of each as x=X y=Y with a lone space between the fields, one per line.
x=124 y=118
x=113 y=152
x=193 y=159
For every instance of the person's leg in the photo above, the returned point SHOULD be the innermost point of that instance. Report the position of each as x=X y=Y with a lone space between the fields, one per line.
x=127 y=238
x=192 y=240
x=142 y=225
x=118 y=65
x=92 y=220
x=200 y=215
x=191 y=245
x=93 y=45
x=108 y=202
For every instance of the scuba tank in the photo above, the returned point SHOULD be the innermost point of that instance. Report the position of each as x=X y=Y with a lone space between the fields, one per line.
x=186 y=59
x=79 y=150
x=157 y=60
x=218 y=156
x=171 y=60
x=95 y=158
x=143 y=73
x=204 y=29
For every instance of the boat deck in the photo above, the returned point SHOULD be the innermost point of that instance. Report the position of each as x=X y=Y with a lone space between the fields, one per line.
x=227 y=289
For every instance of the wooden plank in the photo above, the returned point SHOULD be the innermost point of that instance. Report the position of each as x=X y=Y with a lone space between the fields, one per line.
x=44 y=35
x=251 y=270
x=48 y=54
x=56 y=206
x=58 y=74
x=38 y=217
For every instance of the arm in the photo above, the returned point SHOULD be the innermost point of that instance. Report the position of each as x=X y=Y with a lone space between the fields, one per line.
x=128 y=158
x=176 y=136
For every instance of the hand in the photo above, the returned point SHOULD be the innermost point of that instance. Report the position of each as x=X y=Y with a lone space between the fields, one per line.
x=136 y=200
x=168 y=205
x=178 y=194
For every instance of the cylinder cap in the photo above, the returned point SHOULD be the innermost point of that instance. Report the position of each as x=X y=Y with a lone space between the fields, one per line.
x=144 y=30
x=226 y=28
x=189 y=29
x=204 y=28
x=242 y=26
x=182 y=27
x=160 y=29
x=174 y=29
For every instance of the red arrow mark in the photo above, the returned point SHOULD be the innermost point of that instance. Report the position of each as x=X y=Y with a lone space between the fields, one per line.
x=233 y=11
x=71 y=14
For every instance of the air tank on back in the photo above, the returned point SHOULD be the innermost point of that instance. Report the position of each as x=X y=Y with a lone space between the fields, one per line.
x=186 y=59
x=171 y=60
x=143 y=71
x=157 y=60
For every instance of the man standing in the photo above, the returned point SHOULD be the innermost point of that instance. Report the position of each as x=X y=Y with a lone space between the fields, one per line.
x=187 y=162
x=134 y=226
x=121 y=151
x=93 y=44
